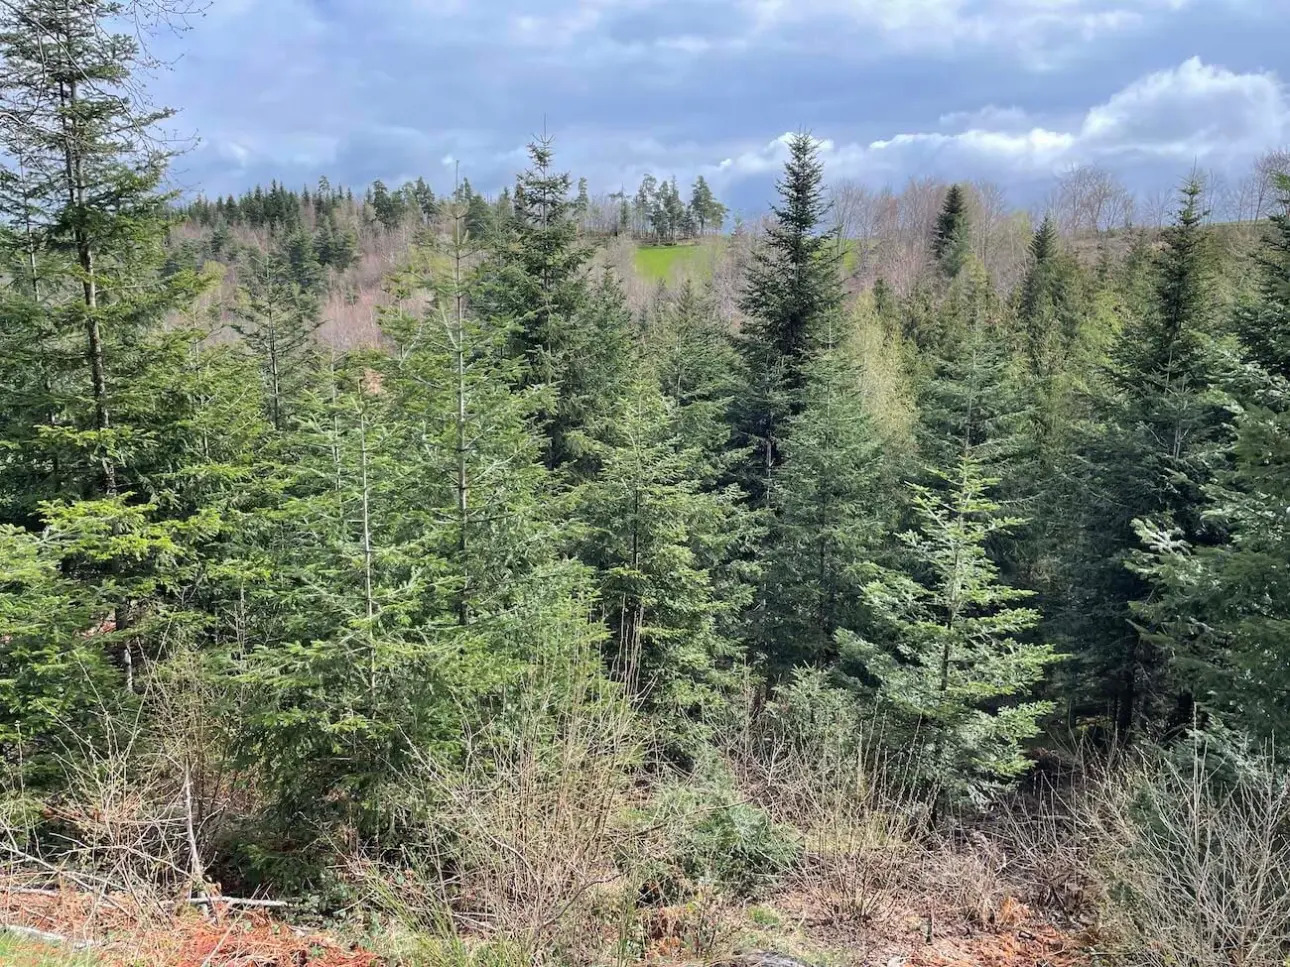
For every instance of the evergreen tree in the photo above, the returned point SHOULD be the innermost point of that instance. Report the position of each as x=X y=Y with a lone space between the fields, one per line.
x=827 y=521
x=387 y=207
x=1057 y=356
x=90 y=170
x=693 y=350
x=704 y=207
x=649 y=530
x=569 y=336
x=794 y=289
x=276 y=318
x=970 y=399
x=1153 y=448
x=1221 y=609
x=50 y=669
x=950 y=653
x=951 y=240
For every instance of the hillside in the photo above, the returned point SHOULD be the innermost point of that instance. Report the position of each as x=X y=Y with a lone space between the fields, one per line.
x=393 y=579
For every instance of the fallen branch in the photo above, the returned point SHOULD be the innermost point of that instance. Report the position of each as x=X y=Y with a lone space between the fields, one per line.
x=233 y=901
x=85 y=881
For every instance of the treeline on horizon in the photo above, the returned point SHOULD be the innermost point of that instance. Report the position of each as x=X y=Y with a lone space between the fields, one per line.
x=989 y=515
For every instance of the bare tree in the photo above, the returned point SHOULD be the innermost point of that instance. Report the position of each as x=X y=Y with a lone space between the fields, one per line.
x=1090 y=199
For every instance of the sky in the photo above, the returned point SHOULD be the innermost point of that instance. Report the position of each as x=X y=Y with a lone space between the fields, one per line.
x=1015 y=91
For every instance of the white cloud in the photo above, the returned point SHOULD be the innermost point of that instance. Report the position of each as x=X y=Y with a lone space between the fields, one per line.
x=1194 y=108
x=1040 y=32
x=1192 y=113
x=991 y=116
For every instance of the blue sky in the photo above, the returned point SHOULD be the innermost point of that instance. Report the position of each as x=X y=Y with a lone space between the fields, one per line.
x=1011 y=90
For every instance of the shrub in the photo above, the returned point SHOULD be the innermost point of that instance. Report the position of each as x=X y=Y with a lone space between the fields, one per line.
x=1195 y=857
x=712 y=838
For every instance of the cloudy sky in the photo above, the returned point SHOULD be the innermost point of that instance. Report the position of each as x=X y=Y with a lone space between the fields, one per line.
x=1013 y=90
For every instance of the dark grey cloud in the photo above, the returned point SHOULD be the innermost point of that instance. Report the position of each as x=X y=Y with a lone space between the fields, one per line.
x=1011 y=89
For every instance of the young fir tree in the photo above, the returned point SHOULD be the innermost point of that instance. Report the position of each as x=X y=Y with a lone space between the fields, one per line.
x=101 y=454
x=1054 y=337
x=1153 y=447
x=469 y=436
x=534 y=277
x=969 y=395
x=277 y=317
x=950 y=653
x=827 y=520
x=413 y=569
x=650 y=529
x=50 y=669
x=595 y=360
x=333 y=595
x=1221 y=610
x=794 y=290
x=694 y=353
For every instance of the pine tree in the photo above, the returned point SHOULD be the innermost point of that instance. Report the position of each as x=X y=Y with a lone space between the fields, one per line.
x=950 y=650
x=706 y=210
x=387 y=206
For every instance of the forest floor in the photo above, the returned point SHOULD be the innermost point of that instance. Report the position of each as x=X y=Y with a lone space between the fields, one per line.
x=113 y=931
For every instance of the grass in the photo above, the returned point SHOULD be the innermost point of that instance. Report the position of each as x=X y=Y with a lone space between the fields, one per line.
x=17 y=952
x=662 y=263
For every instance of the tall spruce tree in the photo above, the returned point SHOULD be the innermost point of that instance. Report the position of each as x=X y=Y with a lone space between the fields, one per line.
x=794 y=290
x=951 y=241
x=1154 y=445
x=89 y=165
x=1221 y=609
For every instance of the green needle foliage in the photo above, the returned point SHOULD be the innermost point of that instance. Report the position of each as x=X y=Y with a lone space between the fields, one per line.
x=952 y=654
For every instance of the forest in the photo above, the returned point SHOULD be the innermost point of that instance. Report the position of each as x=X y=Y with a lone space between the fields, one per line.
x=905 y=578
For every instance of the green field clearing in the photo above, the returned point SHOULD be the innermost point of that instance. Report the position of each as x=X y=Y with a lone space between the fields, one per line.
x=662 y=263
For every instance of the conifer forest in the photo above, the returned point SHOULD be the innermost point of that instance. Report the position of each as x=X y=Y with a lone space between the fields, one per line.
x=547 y=576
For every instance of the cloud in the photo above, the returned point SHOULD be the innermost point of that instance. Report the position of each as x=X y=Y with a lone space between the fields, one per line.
x=1194 y=109
x=364 y=89
x=1038 y=31
x=1195 y=113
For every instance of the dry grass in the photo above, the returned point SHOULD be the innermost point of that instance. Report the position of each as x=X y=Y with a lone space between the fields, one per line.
x=545 y=839
x=1194 y=859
